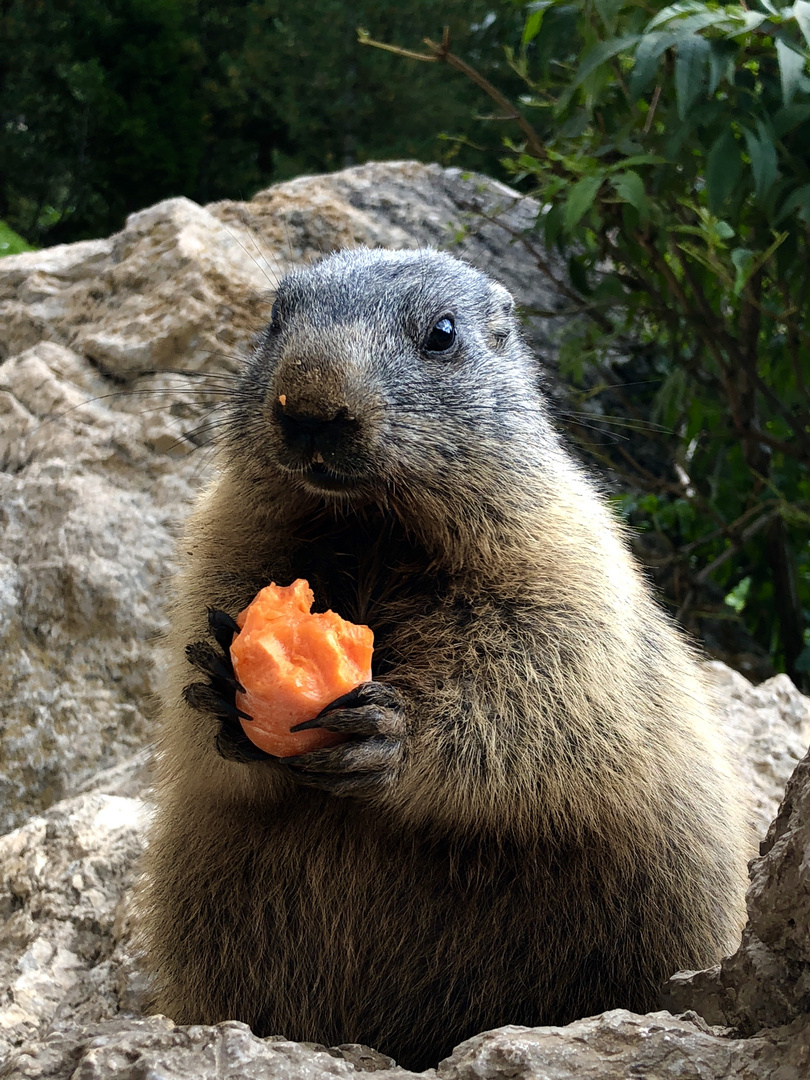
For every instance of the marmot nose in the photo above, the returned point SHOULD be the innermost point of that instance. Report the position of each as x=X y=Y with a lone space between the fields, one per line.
x=307 y=433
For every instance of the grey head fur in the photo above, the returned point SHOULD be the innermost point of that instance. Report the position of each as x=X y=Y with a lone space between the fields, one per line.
x=346 y=399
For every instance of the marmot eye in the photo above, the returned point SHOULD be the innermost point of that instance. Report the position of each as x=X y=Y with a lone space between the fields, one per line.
x=442 y=336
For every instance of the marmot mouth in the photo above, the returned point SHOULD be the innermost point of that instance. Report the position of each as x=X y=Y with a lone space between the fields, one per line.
x=320 y=476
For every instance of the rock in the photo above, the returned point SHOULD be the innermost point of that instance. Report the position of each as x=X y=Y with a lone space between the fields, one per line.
x=129 y=778
x=34 y=287
x=67 y=963
x=187 y=286
x=64 y=890
x=769 y=728
x=766 y=984
x=618 y=1045
x=155 y=1047
x=89 y=514
x=613 y=1046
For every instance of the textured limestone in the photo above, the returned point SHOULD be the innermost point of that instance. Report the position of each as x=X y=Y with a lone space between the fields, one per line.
x=184 y=285
x=619 y=1045
x=134 y=1049
x=766 y=983
x=87 y=531
x=769 y=728
x=64 y=891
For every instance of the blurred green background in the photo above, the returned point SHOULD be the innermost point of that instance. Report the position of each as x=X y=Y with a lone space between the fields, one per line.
x=107 y=106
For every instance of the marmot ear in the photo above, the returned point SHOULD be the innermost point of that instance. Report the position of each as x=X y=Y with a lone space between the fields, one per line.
x=501 y=312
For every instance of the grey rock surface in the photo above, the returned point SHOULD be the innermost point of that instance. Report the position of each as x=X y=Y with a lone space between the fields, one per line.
x=620 y=1045
x=130 y=778
x=89 y=512
x=65 y=880
x=67 y=964
x=769 y=729
x=155 y=1048
x=617 y=1045
x=766 y=983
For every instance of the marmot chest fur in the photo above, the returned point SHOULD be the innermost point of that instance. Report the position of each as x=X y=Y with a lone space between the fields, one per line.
x=533 y=818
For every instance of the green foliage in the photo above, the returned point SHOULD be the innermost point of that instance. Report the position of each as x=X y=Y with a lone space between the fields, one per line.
x=672 y=161
x=95 y=103
x=107 y=106
x=11 y=243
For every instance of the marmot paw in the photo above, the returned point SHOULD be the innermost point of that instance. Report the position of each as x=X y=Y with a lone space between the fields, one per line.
x=217 y=695
x=373 y=716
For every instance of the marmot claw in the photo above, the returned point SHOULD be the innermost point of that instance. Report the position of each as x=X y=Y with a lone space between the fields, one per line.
x=373 y=698
x=373 y=715
x=216 y=696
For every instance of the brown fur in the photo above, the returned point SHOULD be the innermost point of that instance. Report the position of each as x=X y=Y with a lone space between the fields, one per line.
x=559 y=830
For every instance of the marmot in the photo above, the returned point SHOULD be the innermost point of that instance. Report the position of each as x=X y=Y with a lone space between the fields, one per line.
x=534 y=819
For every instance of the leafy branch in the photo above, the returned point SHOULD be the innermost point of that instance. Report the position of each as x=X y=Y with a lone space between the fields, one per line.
x=670 y=156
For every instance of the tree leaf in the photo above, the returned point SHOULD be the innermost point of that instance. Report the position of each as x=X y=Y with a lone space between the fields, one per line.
x=531 y=27
x=580 y=199
x=648 y=54
x=743 y=259
x=674 y=11
x=609 y=288
x=637 y=159
x=696 y=414
x=801 y=13
x=723 y=170
x=598 y=55
x=748 y=20
x=721 y=62
x=552 y=225
x=764 y=256
x=764 y=164
x=707 y=258
x=579 y=275
x=669 y=401
x=786 y=120
x=630 y=187
x=701 y=20
x=608 y=10
x=791 y=69
x=797 y=200
x=690 y=71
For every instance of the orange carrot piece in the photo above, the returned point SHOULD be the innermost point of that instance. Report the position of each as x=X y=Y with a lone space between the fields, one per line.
x=293 y=663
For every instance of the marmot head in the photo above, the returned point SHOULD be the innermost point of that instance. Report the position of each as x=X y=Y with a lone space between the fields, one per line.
x=390 y=374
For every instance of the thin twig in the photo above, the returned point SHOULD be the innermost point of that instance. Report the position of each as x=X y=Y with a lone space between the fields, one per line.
x=440 y=53
x=653 y=106
x=755 y=527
